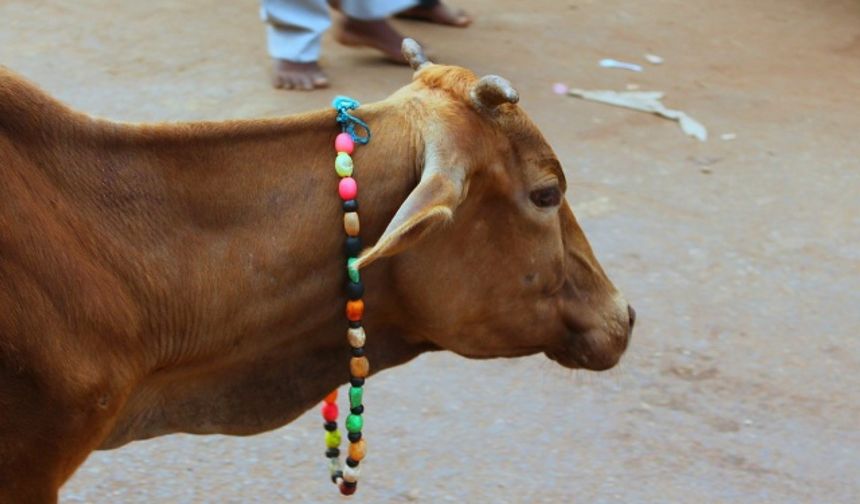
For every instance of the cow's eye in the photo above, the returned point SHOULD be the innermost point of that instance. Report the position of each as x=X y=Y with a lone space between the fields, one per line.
x=546 y=197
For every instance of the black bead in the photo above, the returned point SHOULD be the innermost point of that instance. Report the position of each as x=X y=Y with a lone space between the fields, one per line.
x=351 y=463
x=350 y=484
x=354 y=437
x=332 y=453
x=352 y=246
x=354 y=290
x=330 y=426
x=356 y=382
x=350 y=205
x=354 y=324
x=358 y=352
x=336 y=476
x=357 y=410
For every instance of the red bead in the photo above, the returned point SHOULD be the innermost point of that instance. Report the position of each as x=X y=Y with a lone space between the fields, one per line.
x=347 y=188
x=347 y=489
x=329 y=412
x=343 y=143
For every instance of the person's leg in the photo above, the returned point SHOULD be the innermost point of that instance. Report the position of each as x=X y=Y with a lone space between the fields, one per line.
x=365 y=25
x=436 y=11
x=294 y=34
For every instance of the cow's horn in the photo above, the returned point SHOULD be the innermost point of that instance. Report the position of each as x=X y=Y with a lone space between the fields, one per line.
x=492 y=90
x=413 y=54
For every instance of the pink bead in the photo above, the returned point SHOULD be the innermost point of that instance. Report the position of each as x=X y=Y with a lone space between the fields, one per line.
x=343 y=143
x=329 y=412
x=347 y=188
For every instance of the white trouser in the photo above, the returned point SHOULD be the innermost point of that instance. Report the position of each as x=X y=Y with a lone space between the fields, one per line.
x=295 y=27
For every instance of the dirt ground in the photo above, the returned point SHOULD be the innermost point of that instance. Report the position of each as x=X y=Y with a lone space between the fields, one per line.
x=741 y=256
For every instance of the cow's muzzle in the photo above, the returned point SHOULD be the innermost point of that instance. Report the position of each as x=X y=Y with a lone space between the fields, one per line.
x=599 y=346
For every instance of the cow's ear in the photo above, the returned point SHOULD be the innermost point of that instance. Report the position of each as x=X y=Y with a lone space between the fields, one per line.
x=430 y=205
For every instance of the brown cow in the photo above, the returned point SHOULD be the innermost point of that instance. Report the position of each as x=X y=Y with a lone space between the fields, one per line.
x=188 y=277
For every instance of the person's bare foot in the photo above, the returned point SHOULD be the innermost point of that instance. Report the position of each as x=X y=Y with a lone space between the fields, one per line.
x=377 y=34
x=299 y=76
x=440 y=13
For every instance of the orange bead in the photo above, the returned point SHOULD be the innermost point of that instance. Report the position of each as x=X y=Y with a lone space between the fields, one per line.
x=359 y=367
x=355 y=310
x=358 y=450
x=331 y=397
x=351 y=223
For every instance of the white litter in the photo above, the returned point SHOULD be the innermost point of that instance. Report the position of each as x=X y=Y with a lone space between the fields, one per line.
x=611 y=63
x=728 y=136
x=654 y=59
x=645 y=101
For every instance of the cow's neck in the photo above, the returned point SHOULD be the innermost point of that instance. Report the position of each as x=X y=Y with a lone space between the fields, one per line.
x=238 y=252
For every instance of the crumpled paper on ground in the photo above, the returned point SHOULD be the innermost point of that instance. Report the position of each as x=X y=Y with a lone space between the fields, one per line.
x=645 y=101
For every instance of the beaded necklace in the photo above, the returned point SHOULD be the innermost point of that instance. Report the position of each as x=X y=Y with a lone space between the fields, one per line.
x=346 y=476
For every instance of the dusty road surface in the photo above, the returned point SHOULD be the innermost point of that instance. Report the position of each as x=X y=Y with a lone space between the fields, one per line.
x=742 y=256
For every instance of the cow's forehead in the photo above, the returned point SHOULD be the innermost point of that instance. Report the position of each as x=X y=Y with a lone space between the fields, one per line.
x=510 y=120
x=456 y=81
x=524 y=133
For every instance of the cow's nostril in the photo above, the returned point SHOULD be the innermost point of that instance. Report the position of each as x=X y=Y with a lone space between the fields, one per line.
x=632 y=314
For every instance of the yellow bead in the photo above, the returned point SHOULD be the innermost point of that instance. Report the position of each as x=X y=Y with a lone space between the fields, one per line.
x=332 y=439
x=343 y=164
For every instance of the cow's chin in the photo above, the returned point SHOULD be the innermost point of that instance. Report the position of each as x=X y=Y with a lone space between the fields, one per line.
x=572 y=361
x=591 y=351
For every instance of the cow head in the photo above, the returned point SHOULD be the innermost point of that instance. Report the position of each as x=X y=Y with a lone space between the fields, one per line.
x=485 y=252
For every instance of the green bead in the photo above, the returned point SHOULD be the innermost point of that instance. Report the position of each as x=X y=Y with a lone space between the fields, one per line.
x=343 y=164
x=332 y=439
x=352 y=270
x=354 y=423
x=355 y=394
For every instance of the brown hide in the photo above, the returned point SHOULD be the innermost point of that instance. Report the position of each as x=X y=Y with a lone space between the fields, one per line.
x=189 y=277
